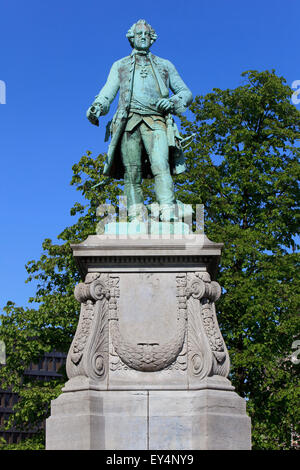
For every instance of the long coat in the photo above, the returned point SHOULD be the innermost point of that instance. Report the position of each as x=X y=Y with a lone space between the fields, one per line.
x=121 y=78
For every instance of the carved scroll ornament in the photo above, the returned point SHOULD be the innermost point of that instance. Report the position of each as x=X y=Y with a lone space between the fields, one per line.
x=88 y=354
x=208 y=354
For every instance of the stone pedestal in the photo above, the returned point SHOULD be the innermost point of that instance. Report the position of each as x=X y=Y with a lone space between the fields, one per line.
x=148 y=365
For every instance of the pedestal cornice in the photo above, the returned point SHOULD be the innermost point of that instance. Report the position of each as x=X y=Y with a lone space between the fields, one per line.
x=107 y=251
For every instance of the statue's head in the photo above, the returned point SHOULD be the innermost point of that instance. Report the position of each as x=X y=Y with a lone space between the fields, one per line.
x=141 y=35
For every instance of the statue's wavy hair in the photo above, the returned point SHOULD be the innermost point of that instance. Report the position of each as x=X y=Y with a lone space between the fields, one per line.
x=130 y=32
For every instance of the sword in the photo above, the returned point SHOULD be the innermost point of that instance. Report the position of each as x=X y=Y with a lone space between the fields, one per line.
x=101 y=183
x=188 y=138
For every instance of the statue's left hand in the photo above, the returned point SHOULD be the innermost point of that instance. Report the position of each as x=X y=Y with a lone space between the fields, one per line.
x=164 y=105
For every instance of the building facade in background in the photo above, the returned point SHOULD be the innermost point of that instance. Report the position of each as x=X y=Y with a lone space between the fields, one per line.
x=46 y=369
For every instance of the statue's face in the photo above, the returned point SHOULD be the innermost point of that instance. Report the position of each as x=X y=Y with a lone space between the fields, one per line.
x=142 y=38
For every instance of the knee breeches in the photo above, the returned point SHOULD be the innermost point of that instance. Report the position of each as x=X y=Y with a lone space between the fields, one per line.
x=156 y=145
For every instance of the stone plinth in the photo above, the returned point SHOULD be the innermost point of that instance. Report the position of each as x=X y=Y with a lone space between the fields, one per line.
x=205 y=419
x=148 y=365
x=143 y=228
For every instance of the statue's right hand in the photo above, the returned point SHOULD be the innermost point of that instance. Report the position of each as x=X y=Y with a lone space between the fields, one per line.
x=93 y=113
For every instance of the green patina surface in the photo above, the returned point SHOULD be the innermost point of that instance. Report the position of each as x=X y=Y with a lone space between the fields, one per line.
x=145 y=142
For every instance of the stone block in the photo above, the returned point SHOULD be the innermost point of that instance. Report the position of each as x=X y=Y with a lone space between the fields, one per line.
x=140 y=420
x=198 y=419
x=97 y=420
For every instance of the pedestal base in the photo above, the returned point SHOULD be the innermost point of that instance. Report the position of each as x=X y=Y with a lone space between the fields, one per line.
x=140 y=420
x=148 y=365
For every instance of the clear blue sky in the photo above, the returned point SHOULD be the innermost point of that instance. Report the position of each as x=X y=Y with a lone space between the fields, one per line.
x=55 y=56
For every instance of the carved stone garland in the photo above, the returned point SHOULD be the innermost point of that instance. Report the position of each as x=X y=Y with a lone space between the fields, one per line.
x=148 y=357
x=196 y=297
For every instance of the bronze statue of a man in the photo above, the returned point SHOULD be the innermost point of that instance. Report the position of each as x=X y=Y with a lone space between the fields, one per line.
x=145 y=141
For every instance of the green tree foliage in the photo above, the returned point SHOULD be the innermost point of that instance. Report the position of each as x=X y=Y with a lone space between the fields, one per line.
x=243 y=166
